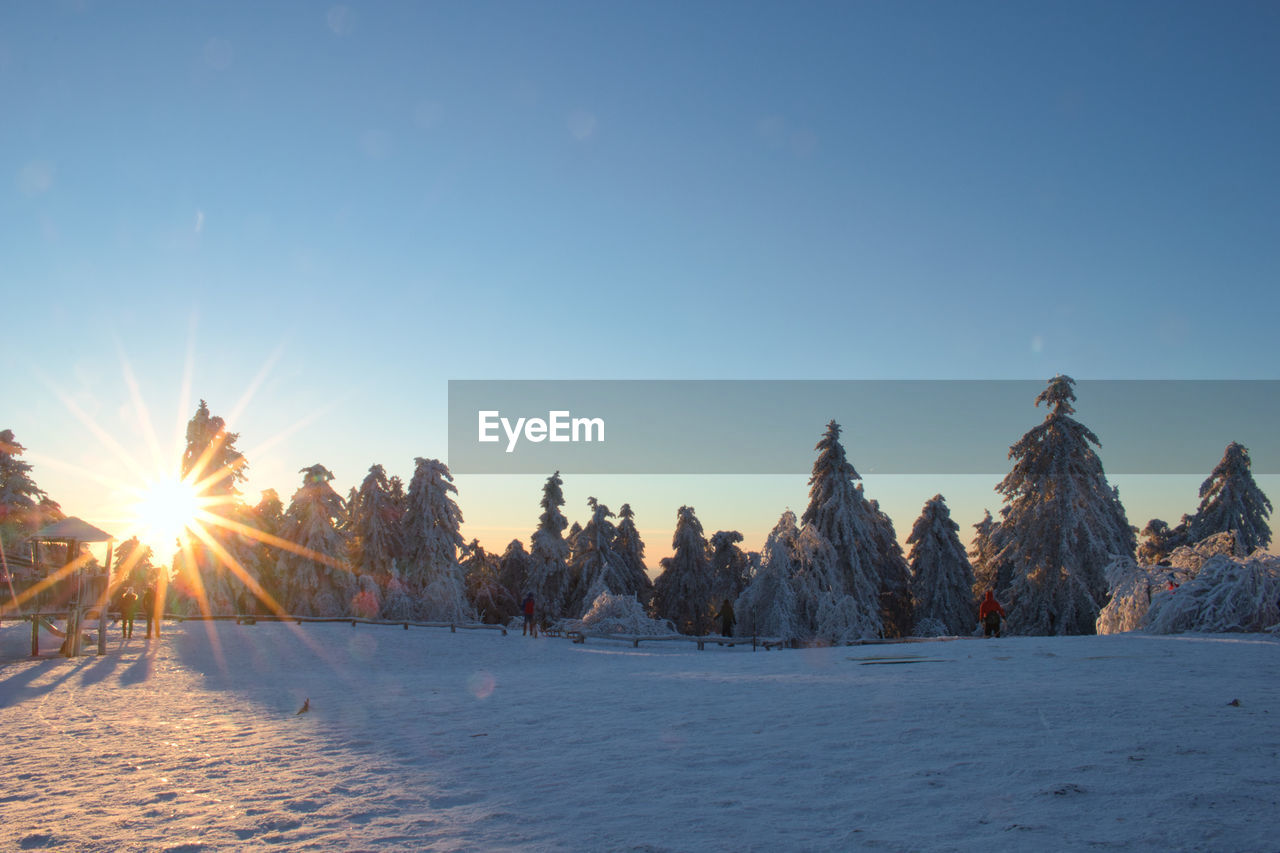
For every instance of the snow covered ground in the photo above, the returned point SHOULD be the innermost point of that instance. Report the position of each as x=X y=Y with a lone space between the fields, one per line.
x=423 y=739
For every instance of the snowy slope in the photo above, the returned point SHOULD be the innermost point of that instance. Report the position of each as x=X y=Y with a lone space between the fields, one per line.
x=423 y=739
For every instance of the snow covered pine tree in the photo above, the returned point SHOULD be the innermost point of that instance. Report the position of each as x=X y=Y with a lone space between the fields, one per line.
x=548 y=577
x=768 y=606
x=211 y=461
x=682 y=593
x=432 y=537
x=840 y=513
x=1064 y=525
x=1230 y=500
x=941 y=577
x=318 y=581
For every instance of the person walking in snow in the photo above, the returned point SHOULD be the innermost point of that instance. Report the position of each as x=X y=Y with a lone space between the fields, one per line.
x=727 y=619
x=989 y=614
x=530 y=624
x=149 y=609
x=128 y=607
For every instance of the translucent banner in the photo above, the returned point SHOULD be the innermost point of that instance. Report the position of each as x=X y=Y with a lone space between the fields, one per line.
x=890 y=426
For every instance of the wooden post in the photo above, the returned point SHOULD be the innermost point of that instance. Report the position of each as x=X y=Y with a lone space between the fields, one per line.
x=72 y=640
x=104 y=601
x=35 y=637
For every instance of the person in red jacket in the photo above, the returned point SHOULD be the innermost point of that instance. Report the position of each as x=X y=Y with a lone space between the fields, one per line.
x=989 y=614
x=530 y=622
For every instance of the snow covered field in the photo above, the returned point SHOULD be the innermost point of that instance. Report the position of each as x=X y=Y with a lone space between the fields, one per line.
x=423 y=739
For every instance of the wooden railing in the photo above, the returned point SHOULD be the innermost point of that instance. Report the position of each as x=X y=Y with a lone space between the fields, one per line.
x=767 y=643
x=45 y=619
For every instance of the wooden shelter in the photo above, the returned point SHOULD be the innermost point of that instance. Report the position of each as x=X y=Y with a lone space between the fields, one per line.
x=81 y=590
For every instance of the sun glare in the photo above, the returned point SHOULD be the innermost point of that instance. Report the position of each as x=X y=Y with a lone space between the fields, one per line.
x=164 y=513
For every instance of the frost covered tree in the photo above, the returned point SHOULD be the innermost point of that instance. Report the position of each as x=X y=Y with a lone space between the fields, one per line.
x=215 y=467
x=318 y=581
x=890 y=566
x=267 y=517
x=397 y=601
x=432 y=536
x=20 y=497
x=211 y=460
x=574 y=539
x=1227 y=594
x=596 y=567
x=375 y=526
x=682 y=593
x=989 y=573
x=768 y=606
x=838 y=511
x=492 y=602
x=830 y=614
x=513 y=569
x=1159 y=540
x=628 y=545
x=549 y=578
x=729 y=566
x=1230 y=500
x=400 y=500
x=133 y=566
x=1065 y=523
x=941 y=578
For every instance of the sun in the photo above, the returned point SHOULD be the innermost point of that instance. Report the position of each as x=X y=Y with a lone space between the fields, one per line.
x=166 y=509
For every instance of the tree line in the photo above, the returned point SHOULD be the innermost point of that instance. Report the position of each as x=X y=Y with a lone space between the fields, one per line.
x=835 y=573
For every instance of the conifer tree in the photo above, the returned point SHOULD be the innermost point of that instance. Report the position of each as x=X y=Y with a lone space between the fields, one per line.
x=890 y=566
x=491 y=601
x=830 y=614
x=768 y=606
x=513 y=569
x=375 y=526
x=211 y=460
x=20 y=497
x=267 y=517
x=989 y=572
x=318 y=581
x=839 y=512
x=548 y=578
x=729 y=566
x=1065 y=523
x=941 y=578
x=399 y=499
x=397 y=602
x=215 y=467
x=1230 y=500
x=132 y=564
x=596 y=567
x=1159 y=540
x=630 y=548
x=432 y=536
x=682 y=592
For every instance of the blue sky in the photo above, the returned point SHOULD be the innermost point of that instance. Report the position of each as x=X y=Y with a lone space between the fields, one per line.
x=371 y=199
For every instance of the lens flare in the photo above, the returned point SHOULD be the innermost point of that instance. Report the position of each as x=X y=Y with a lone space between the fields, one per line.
x=164 y=514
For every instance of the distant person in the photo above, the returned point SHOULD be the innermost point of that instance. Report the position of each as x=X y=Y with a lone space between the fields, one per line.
x=128 y=607
x=149 y=609
x=727 y=619
x=530 y=624
x=242 y=603
x=989 y=614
